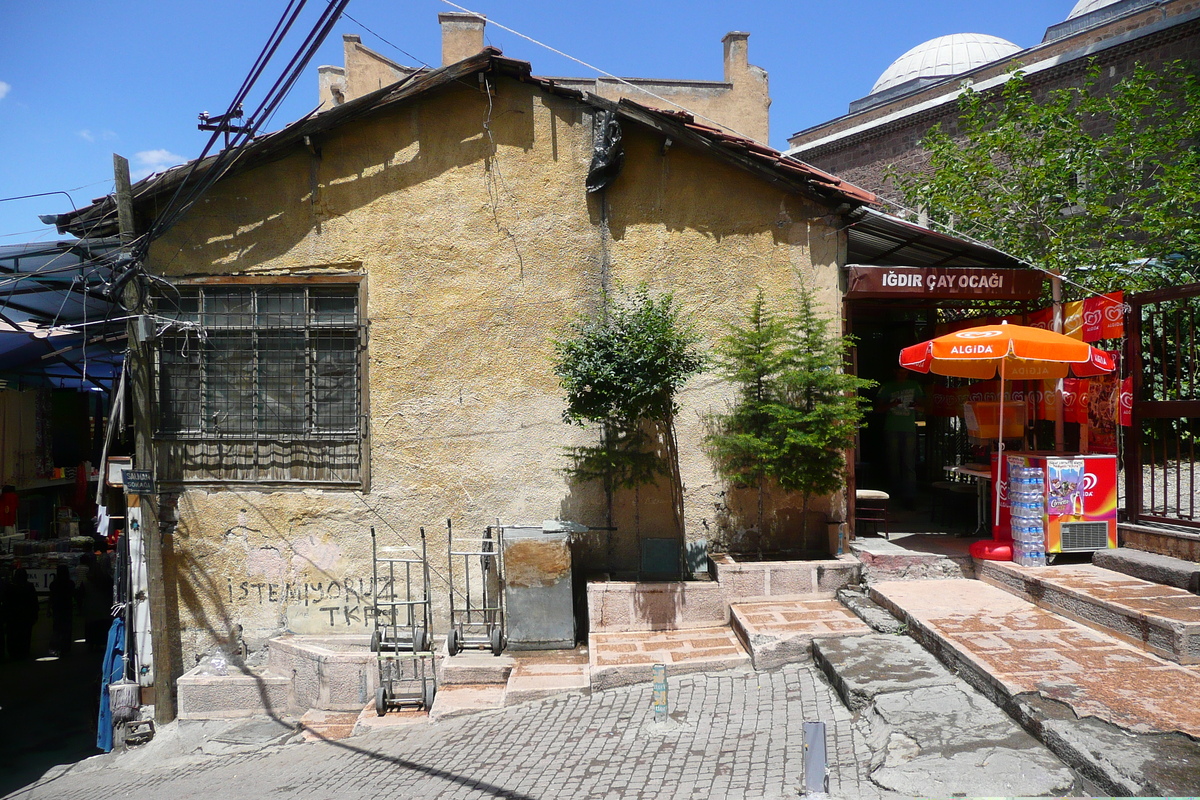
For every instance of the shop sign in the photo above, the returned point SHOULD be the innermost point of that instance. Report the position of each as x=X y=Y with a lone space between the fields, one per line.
x=138 y=481
x=943 y=283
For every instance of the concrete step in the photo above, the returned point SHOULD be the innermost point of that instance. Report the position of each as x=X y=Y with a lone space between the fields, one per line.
x=931 y=733
x=473 y=667
x=627 y=657
x=914 y=557
x=319 y=725
x=458 y=700
x=749 y=581
x=242 y=692
x=1152 y=567
x=779 y=632
x=369 y=720
x=329 y=673
x=1161 y=619
x=1124 y=718
x=539 y=675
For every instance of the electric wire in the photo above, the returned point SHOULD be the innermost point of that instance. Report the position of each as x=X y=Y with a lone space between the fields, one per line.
x=385 y=41
x=183 y=200
x=616 y=78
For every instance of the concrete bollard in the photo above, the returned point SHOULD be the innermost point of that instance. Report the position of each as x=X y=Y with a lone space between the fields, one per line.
x=660 y=692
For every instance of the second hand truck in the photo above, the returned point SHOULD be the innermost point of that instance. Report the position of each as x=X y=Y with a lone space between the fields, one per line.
x=401 y=638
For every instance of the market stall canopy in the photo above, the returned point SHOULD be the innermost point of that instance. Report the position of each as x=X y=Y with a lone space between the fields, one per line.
x=56 y=326
x=877 y=239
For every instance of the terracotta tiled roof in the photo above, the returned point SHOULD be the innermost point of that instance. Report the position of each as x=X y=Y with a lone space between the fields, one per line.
x=99 y=219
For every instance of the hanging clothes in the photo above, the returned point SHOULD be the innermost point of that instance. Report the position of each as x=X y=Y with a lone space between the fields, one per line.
x=112 y=671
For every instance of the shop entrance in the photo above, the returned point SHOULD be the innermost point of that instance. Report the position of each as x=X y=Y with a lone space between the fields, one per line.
x=881 y=329
x=915 y=429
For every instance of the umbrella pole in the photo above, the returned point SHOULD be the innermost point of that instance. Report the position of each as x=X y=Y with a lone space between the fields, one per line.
x=999 y=454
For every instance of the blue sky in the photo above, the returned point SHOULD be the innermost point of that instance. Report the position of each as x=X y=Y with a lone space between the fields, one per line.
x=82 y=79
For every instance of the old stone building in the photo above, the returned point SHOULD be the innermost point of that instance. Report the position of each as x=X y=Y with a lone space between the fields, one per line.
x=883 y=130
x=360 y=330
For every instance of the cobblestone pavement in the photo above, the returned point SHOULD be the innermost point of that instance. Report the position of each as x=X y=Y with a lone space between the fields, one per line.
x=733 y=734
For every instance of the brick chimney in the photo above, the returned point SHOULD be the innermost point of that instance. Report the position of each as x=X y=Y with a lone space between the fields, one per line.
x=462 y=35
x=737 y=55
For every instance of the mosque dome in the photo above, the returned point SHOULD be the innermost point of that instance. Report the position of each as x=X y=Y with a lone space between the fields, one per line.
x=1088 y=6
x=949 y=55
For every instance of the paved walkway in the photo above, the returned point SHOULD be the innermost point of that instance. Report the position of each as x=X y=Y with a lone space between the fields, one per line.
x=732 y=734
x=1027 y=649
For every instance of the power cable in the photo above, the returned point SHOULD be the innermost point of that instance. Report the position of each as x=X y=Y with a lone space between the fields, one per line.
x=594 y=68
x=385 y=41
x=186 y=195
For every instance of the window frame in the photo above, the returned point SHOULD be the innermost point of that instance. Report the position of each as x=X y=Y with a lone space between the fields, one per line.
x=196 y=432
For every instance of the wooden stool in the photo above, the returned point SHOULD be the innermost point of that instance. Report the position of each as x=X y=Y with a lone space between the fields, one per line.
x=871 y=505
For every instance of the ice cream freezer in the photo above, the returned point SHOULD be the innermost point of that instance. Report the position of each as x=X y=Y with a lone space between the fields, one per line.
x=1079 y=498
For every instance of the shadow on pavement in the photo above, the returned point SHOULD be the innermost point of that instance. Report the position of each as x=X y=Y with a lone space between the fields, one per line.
x=432 y=772
x=47 y=709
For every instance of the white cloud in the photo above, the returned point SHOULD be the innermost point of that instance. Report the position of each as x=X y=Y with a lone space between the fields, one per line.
x=150 y=161
x=4 y=89
x=88 y=135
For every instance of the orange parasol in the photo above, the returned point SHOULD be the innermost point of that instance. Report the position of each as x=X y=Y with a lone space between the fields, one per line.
x=1015 y=352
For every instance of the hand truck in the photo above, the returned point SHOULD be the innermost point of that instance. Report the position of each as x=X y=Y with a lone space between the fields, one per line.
x=479 y=621
x=400 y=639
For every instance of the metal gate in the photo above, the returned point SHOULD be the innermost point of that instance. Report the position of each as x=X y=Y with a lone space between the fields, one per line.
x=1160 y=453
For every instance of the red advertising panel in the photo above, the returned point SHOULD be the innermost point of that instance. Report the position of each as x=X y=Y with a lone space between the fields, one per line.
x=1126 y=410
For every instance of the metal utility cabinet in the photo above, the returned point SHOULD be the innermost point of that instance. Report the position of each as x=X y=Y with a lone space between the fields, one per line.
x=538 y=597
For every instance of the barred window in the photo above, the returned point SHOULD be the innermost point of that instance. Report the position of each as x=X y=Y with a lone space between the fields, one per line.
x=261 y=365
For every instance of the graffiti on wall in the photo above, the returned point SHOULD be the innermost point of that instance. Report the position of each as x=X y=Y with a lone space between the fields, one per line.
x=344 y=603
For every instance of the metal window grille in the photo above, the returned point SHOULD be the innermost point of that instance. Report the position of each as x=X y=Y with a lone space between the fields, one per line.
x=262 y=383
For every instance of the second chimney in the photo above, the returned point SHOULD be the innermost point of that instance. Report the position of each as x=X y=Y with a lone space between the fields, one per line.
x=462 y=35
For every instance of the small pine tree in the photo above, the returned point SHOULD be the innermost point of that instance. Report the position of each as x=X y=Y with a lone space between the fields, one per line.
x=796 y=411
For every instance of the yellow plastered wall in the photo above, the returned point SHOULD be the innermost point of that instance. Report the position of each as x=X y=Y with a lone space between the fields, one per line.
x=468 y=216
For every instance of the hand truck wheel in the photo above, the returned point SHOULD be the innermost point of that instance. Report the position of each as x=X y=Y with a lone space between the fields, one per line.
x=452 y=643
x=428 y=692
x=381 y=701
x=497 y=641
x=420 y=642
x=375 y=641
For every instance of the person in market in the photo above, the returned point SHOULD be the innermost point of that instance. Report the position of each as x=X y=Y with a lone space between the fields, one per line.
x=62 y=611
x=899 y=400
x=20 y=612
x=97 y=601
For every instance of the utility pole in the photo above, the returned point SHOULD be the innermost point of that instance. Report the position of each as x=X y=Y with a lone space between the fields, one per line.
x=141 y=358
x=124 y=195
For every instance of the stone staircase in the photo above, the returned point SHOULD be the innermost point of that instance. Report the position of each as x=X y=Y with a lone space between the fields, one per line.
x=1154 y=567
x=759 y=613
x=477 y=680
x=1164 y=620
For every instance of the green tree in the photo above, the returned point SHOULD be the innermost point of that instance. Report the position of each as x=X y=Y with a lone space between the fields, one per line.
x=621 y=369
x=796 y=411
x=1095 y=182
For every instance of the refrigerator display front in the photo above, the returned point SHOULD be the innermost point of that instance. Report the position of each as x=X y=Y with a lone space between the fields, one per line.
x=1079 y=495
